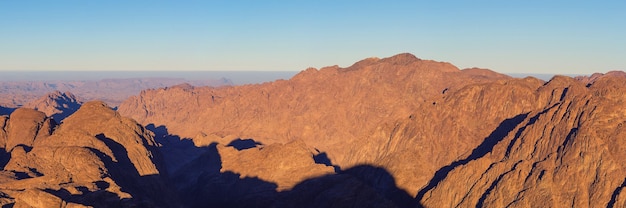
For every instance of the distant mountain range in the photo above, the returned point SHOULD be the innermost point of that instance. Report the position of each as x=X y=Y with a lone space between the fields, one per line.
x=391 y=132
x=112 y=91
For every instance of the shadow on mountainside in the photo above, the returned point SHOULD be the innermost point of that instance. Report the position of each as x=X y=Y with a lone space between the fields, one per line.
x=481 y=150
x=146 y=190
x=195 y=175
x=242 y=144
x=616 y=192
x=125 y=174
x=6 y=111
x=66 y=108
x=4 y=157
x=360 y=186
x=322 y=158
x=98 y=198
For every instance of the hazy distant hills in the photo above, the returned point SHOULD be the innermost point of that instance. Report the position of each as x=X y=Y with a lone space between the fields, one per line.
x=111 y=91
x=391 y=132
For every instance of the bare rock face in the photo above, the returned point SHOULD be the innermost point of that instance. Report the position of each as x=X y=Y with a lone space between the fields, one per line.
x=95 y=158
x=56 y=105
x=26 y=126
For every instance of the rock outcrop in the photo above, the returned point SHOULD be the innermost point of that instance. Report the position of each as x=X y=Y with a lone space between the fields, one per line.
x=95 y=158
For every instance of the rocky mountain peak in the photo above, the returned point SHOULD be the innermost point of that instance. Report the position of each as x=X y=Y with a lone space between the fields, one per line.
x=57 y=105
x=400 y=59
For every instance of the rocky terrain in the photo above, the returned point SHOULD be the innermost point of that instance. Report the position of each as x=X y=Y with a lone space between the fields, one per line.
x=95 y=158
x=14 y=94
x=391 y=132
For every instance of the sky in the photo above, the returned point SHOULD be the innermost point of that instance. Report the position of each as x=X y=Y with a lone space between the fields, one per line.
x=512 y=36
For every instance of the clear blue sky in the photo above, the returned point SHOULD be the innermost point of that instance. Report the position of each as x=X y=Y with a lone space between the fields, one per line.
x=522 y=36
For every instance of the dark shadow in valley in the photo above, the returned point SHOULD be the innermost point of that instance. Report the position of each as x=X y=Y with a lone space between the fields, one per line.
x=481 y=150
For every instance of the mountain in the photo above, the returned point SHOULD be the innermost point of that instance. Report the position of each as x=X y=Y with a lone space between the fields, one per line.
x=443 y=136
x=391 y=132
x=56 y=105
x=355 y=115
x=15 y=94
x=317 y=106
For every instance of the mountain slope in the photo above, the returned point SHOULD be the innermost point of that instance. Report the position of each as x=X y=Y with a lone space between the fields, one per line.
x=569 y=153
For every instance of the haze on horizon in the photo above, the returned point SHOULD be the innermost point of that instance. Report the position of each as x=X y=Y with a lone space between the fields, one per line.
x=555 y=37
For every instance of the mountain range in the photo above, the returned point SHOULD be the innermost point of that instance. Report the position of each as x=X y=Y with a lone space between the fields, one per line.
x=391 y=132
x=113 y=91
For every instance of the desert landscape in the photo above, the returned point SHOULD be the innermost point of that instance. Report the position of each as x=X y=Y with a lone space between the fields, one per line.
x=338 y=104
x=385 y=132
